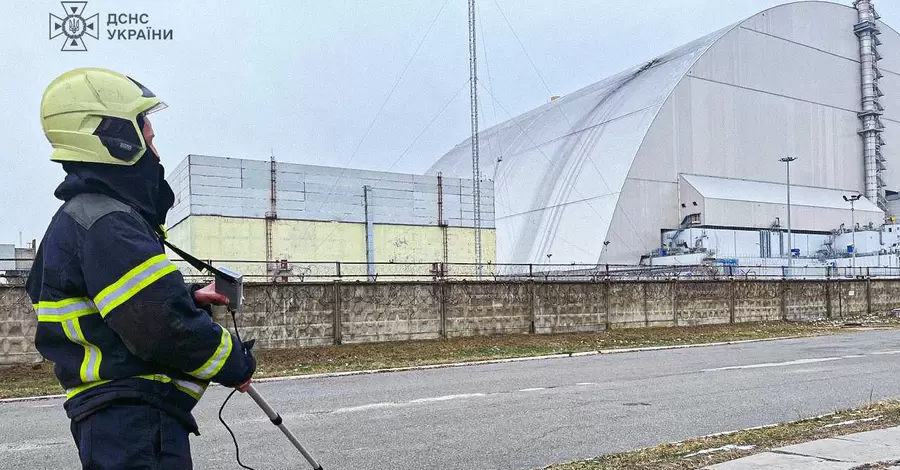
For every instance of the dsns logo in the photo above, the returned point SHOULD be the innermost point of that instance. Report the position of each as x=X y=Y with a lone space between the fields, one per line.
x=74 y=25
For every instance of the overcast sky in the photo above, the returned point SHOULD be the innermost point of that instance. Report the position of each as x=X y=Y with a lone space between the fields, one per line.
x=306 y=79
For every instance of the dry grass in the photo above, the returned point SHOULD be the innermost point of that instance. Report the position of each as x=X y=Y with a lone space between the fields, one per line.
x=30 y=380
x=352 y=357
x=683 y=455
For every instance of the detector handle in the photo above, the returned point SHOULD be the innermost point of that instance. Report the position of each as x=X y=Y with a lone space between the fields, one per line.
x=275 y=418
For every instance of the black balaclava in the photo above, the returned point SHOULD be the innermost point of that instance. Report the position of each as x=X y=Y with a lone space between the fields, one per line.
x=142 y=185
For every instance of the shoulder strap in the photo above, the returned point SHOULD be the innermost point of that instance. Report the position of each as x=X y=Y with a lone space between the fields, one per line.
x=193 y=260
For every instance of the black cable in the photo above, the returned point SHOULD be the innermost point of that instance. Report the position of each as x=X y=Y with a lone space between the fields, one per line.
x=237 y=448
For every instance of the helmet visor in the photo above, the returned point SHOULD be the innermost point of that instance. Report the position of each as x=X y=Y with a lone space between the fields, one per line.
x=157 y=107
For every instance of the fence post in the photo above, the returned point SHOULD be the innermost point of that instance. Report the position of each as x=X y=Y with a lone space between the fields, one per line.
x=533 y=328
x=646 y=310
x=829 y=309
x=731 y=305
x=607 y=324
x=868 y=293
x=442 y=286
x=336 y=325
x=675 y=301
x=784 y=308
x=337 y=268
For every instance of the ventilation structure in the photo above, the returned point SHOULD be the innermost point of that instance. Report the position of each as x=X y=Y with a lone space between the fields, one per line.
x=872 y=127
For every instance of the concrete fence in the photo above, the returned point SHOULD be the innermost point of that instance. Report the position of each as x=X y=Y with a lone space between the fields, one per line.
x=291 y=315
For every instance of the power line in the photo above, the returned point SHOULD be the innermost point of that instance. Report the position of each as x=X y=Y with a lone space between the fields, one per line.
x=403 y=154
x=384 y=104
x=487 y=65
x=523 y=47
x=561 y=112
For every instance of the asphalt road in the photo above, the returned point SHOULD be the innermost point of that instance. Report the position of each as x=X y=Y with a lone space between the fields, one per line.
x=513 y=415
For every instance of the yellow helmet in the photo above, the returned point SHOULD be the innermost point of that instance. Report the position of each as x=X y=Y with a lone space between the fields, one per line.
x=91 y=115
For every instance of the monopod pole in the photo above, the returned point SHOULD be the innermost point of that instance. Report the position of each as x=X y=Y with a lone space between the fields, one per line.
x=276 y=420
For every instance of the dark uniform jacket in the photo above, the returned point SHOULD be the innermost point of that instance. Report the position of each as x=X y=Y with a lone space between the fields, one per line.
x=114 y=314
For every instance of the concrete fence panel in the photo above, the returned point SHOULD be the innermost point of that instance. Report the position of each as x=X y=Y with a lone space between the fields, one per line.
x=804 y=300
x=286 y=316
x=757 y=301
x=627 y=304
x=295 y=315
x=703 y=303
x=17 y=325
x=660 y=303
x=388 y=312
x=884 y=295
x=569 y=307
x=474 y=308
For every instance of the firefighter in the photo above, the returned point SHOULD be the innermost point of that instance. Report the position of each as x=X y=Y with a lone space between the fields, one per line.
x=133 y=346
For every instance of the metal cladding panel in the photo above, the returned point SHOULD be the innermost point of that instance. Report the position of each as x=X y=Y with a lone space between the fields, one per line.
x=226 y=211
x=242 y=188
x=201 y=190
x=205 y=160
x=321 y=216
x=889 y=50
x=215 y=181
x=323 y=200
x=291 y=185
x=891 y=152
x=289 y=195
x=425 y=198
x=216 y=171
x=400 y=195
x=773 y=193
x=238 y=202
x=7 y=257
x=284 y=204
x=890 y=85
x=253 y=174
x=256 y=165
x=428 y=180
x=774 y=58
x=823 y=27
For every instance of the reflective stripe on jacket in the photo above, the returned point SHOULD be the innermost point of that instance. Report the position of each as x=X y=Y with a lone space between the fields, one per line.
x=114 y=314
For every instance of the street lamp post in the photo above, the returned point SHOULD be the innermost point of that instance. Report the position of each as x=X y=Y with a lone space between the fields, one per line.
x=787 y=161
x=852 y=200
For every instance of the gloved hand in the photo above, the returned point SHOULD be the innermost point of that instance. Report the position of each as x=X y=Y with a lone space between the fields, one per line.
x=207 y=295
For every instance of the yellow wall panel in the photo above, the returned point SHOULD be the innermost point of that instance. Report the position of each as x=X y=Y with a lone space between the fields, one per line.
x=182 y=236
x=299 y=240
x=227 y=238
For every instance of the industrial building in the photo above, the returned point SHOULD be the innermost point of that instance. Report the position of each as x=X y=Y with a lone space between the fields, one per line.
x=291 y=221
x=15 y=262
x=686 y=158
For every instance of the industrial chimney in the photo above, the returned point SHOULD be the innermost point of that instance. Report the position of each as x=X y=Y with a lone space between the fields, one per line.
x=872 y=127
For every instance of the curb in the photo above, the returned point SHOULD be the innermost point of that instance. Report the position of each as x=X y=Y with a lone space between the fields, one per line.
x=328 y=375
x=34 y=398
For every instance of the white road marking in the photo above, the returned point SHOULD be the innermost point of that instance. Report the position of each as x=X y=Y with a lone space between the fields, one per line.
x=372 y=406
x=884 y=353
x=586 y=383
x=535 y=389
x=775 y=364
x=448 y=397
x=45 y=406
x=383 y=405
